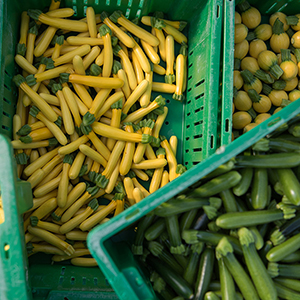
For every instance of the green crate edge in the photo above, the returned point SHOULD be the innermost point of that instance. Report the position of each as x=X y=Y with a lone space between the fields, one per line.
x=99 y=235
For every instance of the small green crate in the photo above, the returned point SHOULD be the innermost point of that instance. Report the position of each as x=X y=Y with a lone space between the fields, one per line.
x=196 y=123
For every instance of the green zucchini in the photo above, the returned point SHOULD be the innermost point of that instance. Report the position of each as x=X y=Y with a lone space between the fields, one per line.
x=176 y=282
x=242 y=187
x=205 y=273
x=259 y=191
x=238 y=273
x=276 y=160
x=260 y=277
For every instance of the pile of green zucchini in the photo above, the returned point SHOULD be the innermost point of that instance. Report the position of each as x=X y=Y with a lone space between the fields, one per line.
x=235 y=234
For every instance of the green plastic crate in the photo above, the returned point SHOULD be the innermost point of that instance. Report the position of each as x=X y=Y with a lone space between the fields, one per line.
x=109 y=245
x=195 y=122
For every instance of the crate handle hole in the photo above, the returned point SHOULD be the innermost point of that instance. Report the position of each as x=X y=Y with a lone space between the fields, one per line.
x=168 y=101
x=6 y=250
x=212 y=142
x=227 y=125
x=273 y=122
x=199 y=82
x=167 y=123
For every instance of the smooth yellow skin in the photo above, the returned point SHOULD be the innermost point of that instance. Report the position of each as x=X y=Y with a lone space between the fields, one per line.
x=128 y=68
x=71 y=147
x=125 y=88
x=242 y=101
x=99 y=145
x=138 y=31
x=261 y=118
x=45 y=41
x=171 y=159
x=119 y=208
x=52 y=239
x=249 y=127
x=55 y=171
x=128 y=153
x=100 y=59
x=60 y=13
x=66 y=114
x=41 y=162
x=137 y=69
x=118 y=134
x=98 y=217
x=241 y=49
x=74 y=207
x=94 y=155
x=150 y=52
x=141 y=148
x=78 y=252
x=159 y=70
x=76 y=165
x=146 y=97
x=47 y=187
x=162 y=43
x=33 y=156
x=35 y=177
x=157 y=176
x=20 y=145
x=49 y=226
x=165 y=178
x=72 y=104
x=17 y=124
x=290 y=70
x=50 y=99
x=294 y=95
x=170 y=55
x=159 y=122
x=113 y=159
x=108 y=56
x=42 y=211
x=138 y=185
x=119 y=33
x=74 y=222
x=64 y=24
x=140 y=113
x=21 y=109
x=240 y=33
x=115 y=122
x=173 y=144
x=141 y=56
x=39 y=102
x=281 y=16
x=135 y=95
x=249 y=63
x=68 y=57
x=96 y=81
x=295 y=40
x=49 y=249
x=36 y=87
x=137 y=195
x=57 y=132
x=263 y=31
x=73 y=195
x=24 y=26
x=180 y=66
x=276 y=97
x=162 y=87
x=78 y=65
x=140 y=174
x=240 y=119
x=291 y=84
x=98 y=101
x=62 y=187
x=84 y=262
x=280 y=41
x=263 y=105
x=91 y=21
x=129 y=187
x=37 y=202
x=25 y=64
x=113 y=178
x=90 y=57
